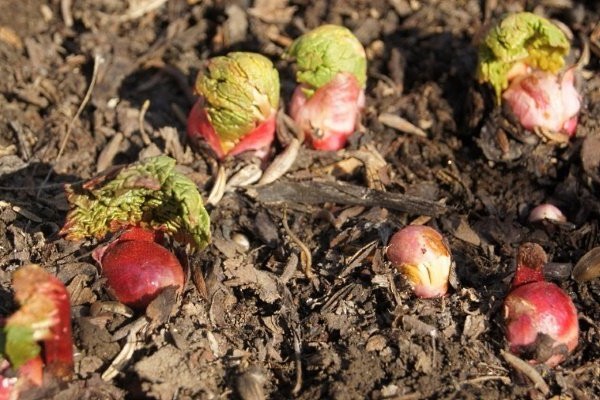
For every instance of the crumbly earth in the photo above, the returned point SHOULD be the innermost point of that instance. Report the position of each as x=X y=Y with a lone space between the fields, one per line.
x=250 y=324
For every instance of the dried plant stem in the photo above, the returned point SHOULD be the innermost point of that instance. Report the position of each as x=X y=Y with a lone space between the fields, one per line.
x=143 y=110
x=527 y=370
x=307 y=255
x=298 y=364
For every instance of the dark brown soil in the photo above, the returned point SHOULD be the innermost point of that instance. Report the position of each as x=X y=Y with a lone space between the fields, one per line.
x=250 y=325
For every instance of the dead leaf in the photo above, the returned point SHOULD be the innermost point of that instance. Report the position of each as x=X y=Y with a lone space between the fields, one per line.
x=159 y=309
x=244 y=275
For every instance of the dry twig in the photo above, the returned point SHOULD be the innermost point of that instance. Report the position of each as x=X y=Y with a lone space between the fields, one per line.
x=307 y=255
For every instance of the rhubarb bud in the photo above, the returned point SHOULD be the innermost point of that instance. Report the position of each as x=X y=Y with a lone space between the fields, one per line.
x=544 y=100
x=150 y=194
x=137 y=269
x=541 y=319
x=547 y=212
x=331 y=73
x=520 y=39
x=423 y=257
x=239 y=96
x=45 y=315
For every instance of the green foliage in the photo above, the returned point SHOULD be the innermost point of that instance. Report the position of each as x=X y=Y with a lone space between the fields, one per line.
x=150 y=193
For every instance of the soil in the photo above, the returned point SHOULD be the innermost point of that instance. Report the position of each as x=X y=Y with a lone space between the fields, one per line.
x=76 y=77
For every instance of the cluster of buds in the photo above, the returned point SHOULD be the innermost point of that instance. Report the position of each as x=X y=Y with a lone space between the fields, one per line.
x=239 y=94
x=523 y=58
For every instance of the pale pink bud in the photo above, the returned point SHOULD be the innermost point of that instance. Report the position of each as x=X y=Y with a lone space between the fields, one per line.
x=331 y=114
x=547 y=212
x=543 y=100
x=423 y=257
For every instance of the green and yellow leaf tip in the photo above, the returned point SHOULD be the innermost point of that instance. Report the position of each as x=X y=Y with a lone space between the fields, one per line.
x=520 y=38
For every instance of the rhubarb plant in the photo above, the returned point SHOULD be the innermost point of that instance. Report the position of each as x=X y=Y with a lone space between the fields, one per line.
x=150 y=193
x=42 y=321
x=239 y=97
x=331 y=72
x=523 y=58
x=520 y=41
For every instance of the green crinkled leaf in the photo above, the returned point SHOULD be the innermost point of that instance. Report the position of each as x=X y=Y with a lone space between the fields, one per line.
x=20 y=345
x=240 y=90
x=521 y=37
x=324 y=52
x=149 y=193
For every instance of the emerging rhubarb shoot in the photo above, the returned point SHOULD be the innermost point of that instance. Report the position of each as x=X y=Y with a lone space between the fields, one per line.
x=519 y=42
x=239 y=96
x=523 y=58
x=541 y=319
x=331 y=70
x=44 y=316
x=151 y=194
x=423 y=257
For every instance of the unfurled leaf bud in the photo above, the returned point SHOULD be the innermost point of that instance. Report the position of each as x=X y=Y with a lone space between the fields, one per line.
x=150 y=193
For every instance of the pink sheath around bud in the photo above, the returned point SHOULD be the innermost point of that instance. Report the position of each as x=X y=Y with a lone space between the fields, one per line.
x=258 y=139
x=541 y=308
x=543 y=100
x=331 y=114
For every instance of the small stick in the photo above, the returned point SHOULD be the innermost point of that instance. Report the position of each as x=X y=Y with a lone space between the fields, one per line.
x=473 y=381
x=298 y=364
x=305 y=250
x=528 y=370
x=143 y=110
x=65 y=9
